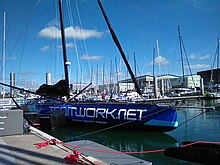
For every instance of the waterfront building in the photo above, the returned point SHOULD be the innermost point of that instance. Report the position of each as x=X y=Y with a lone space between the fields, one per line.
x=206 y=75
x=186 y=82
x=165 y=82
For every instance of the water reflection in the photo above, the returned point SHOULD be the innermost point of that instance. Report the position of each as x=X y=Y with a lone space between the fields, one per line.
x=199 y=124
x=122 y=140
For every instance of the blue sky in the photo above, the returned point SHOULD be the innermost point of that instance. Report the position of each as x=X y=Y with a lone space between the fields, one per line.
x=33 y=44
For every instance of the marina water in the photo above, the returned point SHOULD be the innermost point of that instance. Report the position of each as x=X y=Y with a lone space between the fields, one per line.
x=195 y=124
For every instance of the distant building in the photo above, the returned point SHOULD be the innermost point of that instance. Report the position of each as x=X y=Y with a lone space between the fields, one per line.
x=165 y=81
x=123 y=87
x=188 y=81
x=206 y=75
x=146 y=83
x=76 y=87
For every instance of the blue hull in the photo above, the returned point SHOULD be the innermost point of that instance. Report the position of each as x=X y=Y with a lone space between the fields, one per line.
x=134 y=116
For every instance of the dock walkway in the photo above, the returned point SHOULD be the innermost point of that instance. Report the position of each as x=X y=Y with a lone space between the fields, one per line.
x=106 y=154
x=20 y=149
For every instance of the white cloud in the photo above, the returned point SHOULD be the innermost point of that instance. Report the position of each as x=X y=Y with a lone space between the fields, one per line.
x=198 y=66
x=119 y=74
x=54 y=22
x=193 y=56
x=70 y=45
x=45 y=48
x=204 y=57
x=198 y=57
x=205 y=5
x=52 y=32
x=87 y=57
x=78 y=33
x=160 y=60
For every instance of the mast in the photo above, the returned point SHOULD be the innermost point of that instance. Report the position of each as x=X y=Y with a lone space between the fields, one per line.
x=80 y=81
x=115 y=39
x=135 y=66
x=181 y=53
x=3 y=57
x=153 y=62
x=216 y=59
x=116 y=68
x=217 y=65
x=91 y=80
x=66 y=63
x=158 y=56
x=218 y=55
x=103 y=76
x=77 y=80
x=110 y=79
x=97 y=73
x=154 y=77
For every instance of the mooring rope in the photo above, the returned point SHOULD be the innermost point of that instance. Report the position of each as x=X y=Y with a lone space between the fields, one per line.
x=75 y=147
x=193 y=117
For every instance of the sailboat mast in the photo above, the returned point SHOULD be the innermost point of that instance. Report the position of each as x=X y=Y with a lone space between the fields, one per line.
x=64 y=49
x=216 y=59
x=217 y=65
x=3 y=57
x=153 y=62
x=218 y=54
x=116 y=68
x=103 y=76
x=181 y=53
x=158 y=56
x=97 y=75
x=135 y=66
x=115 y=39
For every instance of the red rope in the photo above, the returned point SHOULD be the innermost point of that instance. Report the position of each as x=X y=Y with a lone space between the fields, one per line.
x=114 y=152
x=46 y=143
x=203 y=142
x=54 y=142
x=73 y=158
x=43 y=144
x=136 y=152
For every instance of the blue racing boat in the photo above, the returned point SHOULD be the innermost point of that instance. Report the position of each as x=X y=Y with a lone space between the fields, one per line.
x=131 y=115
x=139 y=116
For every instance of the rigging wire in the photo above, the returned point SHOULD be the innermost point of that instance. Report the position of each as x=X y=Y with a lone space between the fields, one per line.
x=173 y=67
x=213 y=64
x=56 y=43
x=13 y=48
x=161 y=66
x=69 y=10
x=84 y=43
x=203 y=112
x=81 y=33
x=187 y=61
x=25 y=37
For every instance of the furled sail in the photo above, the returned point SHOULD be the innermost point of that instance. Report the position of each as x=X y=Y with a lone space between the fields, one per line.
x=58 y=89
